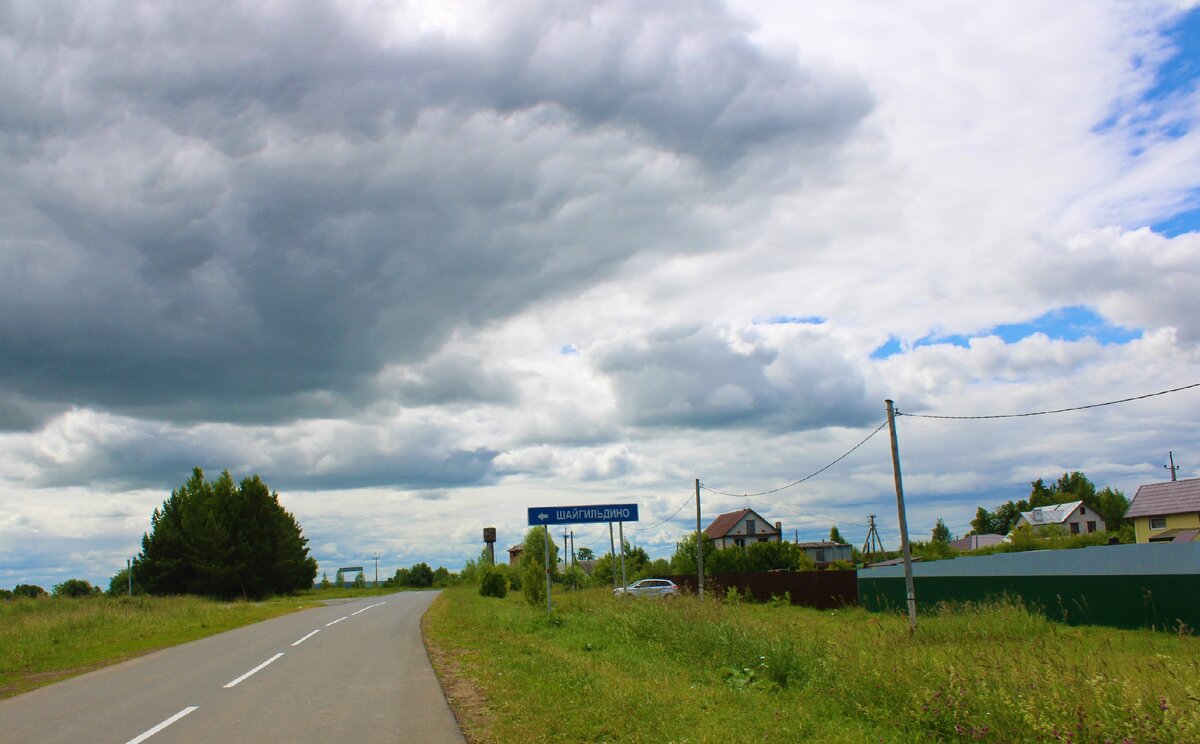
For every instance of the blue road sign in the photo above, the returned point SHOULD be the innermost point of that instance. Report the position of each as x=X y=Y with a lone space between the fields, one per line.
x=583 y=514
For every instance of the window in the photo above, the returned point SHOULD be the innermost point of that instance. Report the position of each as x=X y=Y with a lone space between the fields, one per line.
x=820 y=556
x=1158 y=523
x=762 y=539
x=1091 y=526
x=749 y=526
x=739 y=542
x=1083 y=509
x=1074 y=528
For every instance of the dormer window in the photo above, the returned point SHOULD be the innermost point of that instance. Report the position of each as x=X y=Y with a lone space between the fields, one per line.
x=1158 y=523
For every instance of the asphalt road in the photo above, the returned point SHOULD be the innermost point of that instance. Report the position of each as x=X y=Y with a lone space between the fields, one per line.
x=353 y=672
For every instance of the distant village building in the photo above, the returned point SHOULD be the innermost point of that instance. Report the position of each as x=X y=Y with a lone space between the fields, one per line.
x=825 y=552
x=742 y=528
x=1166 y=512
x=1075 y=516
x=975 y=542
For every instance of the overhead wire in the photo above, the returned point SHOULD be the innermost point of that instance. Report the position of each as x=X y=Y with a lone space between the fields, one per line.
x=689 y=500
x=805 y=478
x=1046 y=413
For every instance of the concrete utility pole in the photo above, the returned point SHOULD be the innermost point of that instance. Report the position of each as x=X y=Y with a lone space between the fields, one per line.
x=699 y=547
x=129 y=574
x=904 y=546
x=565 y=553
x=1172 y=467
x=376 y=557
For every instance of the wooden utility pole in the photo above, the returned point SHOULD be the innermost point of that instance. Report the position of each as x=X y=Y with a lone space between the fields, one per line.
x=904 y=546
x=699 y=546
x=1172 y=467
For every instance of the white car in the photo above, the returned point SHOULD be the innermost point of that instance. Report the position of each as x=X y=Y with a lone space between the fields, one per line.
x=648 y=588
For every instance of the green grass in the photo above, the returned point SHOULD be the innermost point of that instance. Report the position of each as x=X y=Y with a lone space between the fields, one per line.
x=45 y=640
x=689 y=671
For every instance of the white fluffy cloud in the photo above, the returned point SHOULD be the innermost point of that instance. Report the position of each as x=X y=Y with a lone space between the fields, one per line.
x=434 y=264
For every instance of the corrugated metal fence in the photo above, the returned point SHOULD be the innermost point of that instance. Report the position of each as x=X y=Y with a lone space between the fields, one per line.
x=821 y=589
x=1124 y=586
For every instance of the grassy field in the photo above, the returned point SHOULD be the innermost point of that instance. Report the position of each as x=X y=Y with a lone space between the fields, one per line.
x=45 y=640
x=689 y=671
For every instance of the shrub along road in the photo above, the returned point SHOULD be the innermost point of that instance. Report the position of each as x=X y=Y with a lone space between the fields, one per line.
x=351 y=672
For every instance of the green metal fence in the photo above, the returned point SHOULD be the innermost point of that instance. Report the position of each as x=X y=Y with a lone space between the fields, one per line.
x=1127 y=586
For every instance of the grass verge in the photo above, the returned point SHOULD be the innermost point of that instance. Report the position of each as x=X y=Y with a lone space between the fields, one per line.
x=683 y=670
x=46 y=640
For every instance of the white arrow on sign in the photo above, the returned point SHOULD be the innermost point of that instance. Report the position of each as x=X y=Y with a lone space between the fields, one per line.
x=543 y=516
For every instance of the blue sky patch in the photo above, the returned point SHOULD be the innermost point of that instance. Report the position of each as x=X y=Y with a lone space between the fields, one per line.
x=1182 y=222
x=1071 y=323
x=1179 y=73
x=790 y=320
x=569 y=350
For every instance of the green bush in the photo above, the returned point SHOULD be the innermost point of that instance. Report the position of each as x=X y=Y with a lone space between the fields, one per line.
x=493 y=584
x=28 y=591
x=75 y=588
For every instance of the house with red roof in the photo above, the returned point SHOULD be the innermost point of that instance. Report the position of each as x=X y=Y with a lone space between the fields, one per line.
x=742 y=528
x=1166 y=512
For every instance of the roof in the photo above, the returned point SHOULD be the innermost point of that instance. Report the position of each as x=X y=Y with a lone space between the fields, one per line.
x=1179 y=536
x=1168 y=497
x=896 y=561
x=1052 y=514
x=822 y=544
x=726 y=522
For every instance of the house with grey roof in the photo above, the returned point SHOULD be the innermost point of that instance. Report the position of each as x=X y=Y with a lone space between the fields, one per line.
x=1074 y=516
x=1166 y=512
x=824 y=552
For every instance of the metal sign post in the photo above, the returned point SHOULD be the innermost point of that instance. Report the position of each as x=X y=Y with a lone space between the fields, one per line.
x=544 y=516
x=546 y=531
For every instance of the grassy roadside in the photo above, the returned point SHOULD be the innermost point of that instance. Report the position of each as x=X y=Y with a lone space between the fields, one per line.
x=686 y=671
x=46 y=640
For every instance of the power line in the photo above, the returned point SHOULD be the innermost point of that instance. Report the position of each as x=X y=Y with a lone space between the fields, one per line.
x=798 y=482
x=668 y=519
x=1057 y=410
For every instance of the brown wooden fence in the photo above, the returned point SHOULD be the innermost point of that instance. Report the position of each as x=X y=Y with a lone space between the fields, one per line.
x=821 y=589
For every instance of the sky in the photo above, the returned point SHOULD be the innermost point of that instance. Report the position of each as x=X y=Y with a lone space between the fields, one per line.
x=423 y=265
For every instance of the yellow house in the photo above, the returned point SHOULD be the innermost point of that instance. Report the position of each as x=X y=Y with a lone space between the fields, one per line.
x=1166 y=512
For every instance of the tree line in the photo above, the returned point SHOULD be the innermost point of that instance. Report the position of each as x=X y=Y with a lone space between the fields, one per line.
x=1109 y=503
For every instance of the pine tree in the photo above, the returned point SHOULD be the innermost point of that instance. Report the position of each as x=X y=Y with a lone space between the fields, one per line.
x=224 y=540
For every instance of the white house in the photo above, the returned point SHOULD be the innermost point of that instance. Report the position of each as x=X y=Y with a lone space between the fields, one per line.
x=1075 y=516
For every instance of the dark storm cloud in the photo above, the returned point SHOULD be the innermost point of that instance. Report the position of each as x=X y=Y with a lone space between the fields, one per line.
x=245 y=214
x=110 y=452
x=452 y=379
x=691 y=377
